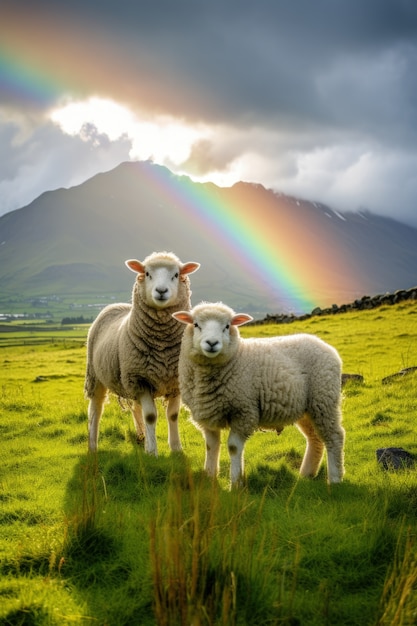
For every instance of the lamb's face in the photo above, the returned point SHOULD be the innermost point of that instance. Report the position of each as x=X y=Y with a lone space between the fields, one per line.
x=211 y=335
x=214 y=332
x=161 y=280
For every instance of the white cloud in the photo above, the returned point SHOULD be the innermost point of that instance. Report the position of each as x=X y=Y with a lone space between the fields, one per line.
x=43 y=158
x=350 y=177
x=107 y=116
x=160 y=138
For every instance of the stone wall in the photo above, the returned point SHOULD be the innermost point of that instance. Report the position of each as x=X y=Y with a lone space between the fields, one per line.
x=366 y=302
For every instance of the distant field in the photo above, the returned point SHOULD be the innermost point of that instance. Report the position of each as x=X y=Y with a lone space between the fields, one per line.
x=33 y=333
x=126 y=539
x=54 y=308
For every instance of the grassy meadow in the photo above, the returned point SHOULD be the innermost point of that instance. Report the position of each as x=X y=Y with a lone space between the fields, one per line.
x=121 y=538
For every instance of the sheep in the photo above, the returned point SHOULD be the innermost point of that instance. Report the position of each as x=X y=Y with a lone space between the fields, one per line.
x=247 y=384
x=133 y=349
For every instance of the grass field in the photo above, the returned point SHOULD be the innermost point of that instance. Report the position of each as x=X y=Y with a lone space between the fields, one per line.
x=126 y=539
x=54 y=308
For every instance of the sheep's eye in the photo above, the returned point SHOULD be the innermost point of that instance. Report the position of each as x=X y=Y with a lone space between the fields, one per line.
x=227 y=327
x=147 y=274
x=175 y=275
x=196 y=325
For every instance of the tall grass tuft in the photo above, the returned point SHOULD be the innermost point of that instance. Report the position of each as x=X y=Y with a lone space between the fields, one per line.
x=399 y=596
x=212 y=560
x=86 y=539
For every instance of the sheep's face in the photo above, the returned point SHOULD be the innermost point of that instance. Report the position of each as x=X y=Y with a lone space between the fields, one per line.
x=161 y=285
x=214 y=332
x=161 y=280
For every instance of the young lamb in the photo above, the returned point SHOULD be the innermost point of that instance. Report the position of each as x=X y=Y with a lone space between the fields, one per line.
x=246 y=384
x=133 y=349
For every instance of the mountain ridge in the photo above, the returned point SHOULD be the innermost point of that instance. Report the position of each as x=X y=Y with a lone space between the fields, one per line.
x=75 y=241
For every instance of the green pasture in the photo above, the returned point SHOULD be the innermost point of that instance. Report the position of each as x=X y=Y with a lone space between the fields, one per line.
x=122 y=538
x=38 y=333
x=52 y=309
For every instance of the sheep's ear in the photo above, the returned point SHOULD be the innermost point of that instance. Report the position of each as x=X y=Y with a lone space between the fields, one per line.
x=183 y=316
x=189 y=268
x=135 y=266
x=241 y=318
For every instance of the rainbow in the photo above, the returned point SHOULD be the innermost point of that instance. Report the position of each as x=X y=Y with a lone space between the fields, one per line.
x=248 y=236
x=26 y=82
x=265 y=243
x=41 y=61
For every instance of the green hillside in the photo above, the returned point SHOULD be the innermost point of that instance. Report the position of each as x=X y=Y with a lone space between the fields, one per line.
x=72 y=243
x=126 y=539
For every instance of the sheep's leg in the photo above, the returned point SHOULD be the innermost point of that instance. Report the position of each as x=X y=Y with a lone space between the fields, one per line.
x=236 y=445
x=335 y=457
x=211 y=464
x=173 y=410
x=314 y=448
x=138 y=422
x=95 y=411
x=330 y=431
x=150 y=414
x=334 y=440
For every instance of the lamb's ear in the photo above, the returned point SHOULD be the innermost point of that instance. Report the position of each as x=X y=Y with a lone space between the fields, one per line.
x=241 y=318
x=189 y=268
x=183 y=316
x=135 y=266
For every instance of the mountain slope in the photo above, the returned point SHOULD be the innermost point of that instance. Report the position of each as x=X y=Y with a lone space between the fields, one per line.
x=259 y=250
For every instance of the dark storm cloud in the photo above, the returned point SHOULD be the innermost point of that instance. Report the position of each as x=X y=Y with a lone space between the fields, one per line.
x=254 y=60
x=264 y=58
x=324 y=93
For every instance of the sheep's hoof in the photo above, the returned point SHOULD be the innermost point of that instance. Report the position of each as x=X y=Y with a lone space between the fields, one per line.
x=239 y=484
x=140 y=440
x=177 y=451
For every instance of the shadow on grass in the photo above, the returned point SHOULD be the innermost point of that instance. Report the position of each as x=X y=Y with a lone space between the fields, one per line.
x=109 y=500
x=148 y=541
x=30 y=615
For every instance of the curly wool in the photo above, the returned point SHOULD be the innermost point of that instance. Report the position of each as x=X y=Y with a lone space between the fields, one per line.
x=133 y=350
x=135 y=347
x=265 y=383
x=262 y=383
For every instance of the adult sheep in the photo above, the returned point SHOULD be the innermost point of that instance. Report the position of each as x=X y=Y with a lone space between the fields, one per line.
x=246 y=384
x=133 y=349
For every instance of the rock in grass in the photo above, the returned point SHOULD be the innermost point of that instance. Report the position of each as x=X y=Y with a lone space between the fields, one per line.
x=400 y=374
x=355 y=377
x=394 y=458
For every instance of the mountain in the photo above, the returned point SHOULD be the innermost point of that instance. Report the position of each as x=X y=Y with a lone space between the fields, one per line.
x=259 y=250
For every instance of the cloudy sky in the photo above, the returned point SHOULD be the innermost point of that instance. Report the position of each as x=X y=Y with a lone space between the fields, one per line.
x=314 y=98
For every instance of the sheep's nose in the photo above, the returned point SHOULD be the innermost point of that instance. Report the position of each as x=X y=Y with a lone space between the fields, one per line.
x=212 y=343
x=161 y=290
